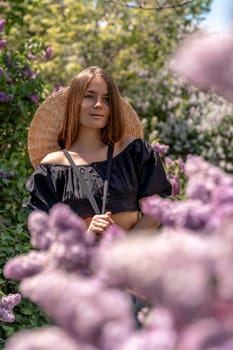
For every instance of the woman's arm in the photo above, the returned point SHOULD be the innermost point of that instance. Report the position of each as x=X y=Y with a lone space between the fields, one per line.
x=146 y=222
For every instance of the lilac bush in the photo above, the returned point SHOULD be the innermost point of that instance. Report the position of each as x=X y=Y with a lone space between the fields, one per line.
x=194 y=121
x=182 y=275
x=21 y=89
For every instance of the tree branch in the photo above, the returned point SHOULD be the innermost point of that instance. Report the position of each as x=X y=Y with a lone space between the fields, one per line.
x=142 y=6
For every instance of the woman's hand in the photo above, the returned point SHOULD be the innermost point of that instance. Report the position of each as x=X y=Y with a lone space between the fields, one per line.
x=100 y=223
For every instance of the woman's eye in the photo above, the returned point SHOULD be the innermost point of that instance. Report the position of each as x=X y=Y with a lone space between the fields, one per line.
x=106 y=99
x=88 y=96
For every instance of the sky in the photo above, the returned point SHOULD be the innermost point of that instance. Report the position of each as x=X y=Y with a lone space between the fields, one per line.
x=220 y=16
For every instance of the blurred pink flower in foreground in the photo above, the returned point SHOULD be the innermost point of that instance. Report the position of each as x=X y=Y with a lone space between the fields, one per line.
x=206 y=60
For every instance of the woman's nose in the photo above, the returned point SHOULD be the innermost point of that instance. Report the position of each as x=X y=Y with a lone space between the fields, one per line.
x=98 y=103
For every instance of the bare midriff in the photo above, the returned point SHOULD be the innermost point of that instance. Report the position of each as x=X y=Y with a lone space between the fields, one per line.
x=126 y=220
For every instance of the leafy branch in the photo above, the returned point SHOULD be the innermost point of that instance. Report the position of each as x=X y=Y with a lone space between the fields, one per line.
x=151 y=5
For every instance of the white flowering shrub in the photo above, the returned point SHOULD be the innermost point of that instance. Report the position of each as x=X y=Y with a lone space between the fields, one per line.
x=205 y=60
x=191 y=121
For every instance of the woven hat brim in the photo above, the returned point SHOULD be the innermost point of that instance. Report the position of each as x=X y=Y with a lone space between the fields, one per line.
x=47 y=122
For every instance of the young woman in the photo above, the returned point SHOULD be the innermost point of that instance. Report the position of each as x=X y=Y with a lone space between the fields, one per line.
x=93 y=122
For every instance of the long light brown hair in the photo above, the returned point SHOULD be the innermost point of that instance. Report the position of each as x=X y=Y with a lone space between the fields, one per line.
x=114 y=129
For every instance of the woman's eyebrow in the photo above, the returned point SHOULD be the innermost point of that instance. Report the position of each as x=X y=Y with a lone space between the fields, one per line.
x=94 y=92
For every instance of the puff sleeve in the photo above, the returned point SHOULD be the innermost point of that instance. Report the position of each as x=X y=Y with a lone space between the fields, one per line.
x=41 y=188
x=151 y=174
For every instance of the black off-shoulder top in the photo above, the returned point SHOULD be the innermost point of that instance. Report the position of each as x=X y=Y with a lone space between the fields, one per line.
x=137 y=172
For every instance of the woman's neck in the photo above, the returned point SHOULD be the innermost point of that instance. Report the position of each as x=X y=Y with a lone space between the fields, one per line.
x=88 y=141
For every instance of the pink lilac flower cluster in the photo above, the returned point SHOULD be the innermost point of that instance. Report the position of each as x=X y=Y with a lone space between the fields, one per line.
x=3 y=42
x=205 y=59
x=61 y=242
x=160 y=148
x=7 y=303
x=174 y=168
x=209 y=199
x=182 y=275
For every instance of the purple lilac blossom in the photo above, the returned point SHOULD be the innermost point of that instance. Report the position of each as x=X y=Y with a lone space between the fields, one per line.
x=222 y=195
x=112 y=234
x=8 y=60
x=159 y=330
x=223 y=267
x=203 y=183
x=34 y=98
x=158 y=333
x=168 y=161
x=4 y=97
x=45 y=339
x=64 y=242
x=5 y=175
x=181 y=165
x=31 y=57
x=197 y=166
x=114 y=335
x=161 y=340
x=73 y=247
x=180 y=267
x=41 y=236
x=2 y=25
x=3 y=44
x=209 y=199
x=7 y=303
x=9 y=80
x=25 y=265
x=205 y=334
x=48 y=53
x=160 y=148
x=175 y=185
x=159 y=318
x=89 y=305
x=67 y=226
x=205 y=59
x=191 y=214
x=222 y=215
x=28 y=73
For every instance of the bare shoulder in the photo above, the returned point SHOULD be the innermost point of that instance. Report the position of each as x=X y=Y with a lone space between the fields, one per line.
x=54 y=158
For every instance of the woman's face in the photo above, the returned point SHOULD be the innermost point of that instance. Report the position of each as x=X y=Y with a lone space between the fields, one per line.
x=95 y=109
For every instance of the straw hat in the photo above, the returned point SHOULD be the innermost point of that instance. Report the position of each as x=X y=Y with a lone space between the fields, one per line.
x=47 y=121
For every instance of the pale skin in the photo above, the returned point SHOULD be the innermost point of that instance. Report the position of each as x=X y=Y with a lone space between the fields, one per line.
x=88 y=147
